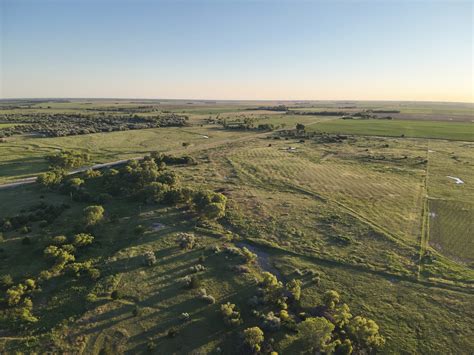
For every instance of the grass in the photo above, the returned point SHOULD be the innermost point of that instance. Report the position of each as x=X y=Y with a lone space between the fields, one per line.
x=349 y=212
x=451 y=226
x=396 y=128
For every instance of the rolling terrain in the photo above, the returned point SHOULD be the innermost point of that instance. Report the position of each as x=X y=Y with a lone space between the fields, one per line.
x=368 y=208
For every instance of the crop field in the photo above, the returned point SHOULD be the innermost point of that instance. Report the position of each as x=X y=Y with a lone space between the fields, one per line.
x=373 y=216
x=395 y=128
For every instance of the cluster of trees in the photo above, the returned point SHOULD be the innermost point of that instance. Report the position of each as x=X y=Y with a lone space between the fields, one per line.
x=61 y=252
x=149 y=181
x=146 y=180
x=68 y=124
x=247 y=123
x=327 y=328
x=67 y=159
x=42 y=212
x=301 y=133
x=279 y=108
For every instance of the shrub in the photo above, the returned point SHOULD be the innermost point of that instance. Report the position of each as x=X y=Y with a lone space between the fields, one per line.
x=230 y=314
x=186 y=240
x=253 y=338
x=248 y=255
x=93 y=215
x=149 y=258
x=59 y=240
x=83 y=239
x=197 y=268
x=271 y=322
x=184 y=317
x=204 y=296
x=93 y=273
x=6 y=281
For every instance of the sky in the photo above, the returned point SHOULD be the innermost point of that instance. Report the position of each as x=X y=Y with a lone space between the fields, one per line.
x=274 y=50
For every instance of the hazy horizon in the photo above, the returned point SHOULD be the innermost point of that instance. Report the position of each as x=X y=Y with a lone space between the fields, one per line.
x=240 y=51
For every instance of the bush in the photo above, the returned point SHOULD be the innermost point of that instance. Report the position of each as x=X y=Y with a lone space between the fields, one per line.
x=230 y=314
x=186 y=240
x=93 y=214
x=204 y=296
x=253 y=338
x=59 y=240
x=83 y=239
x=6 y=281
x=149 y=258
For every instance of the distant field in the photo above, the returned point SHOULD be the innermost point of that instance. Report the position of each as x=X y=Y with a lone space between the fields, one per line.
x=393 y=128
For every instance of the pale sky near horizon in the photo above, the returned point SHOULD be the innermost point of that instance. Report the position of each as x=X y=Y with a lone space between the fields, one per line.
x=286 y=50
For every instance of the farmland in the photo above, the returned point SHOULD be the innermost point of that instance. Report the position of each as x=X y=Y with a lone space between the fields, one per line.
x=364 y=208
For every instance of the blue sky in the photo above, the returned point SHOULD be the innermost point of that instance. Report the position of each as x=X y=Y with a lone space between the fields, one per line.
x=381 y=50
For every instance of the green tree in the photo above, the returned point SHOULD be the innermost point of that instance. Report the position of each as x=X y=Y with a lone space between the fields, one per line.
x=51 y=178
x=300 y=127
x=316 y=333
x=342 y=315
x=209 y=204
x=83 y=239
x=272 y=288
x=186 y=240
x=231 y=314
x=93 y=215
x=331 y=299
x=366 y=333
x=68 y=159
x=294 y=287
x=14 y=294
x=253 y=338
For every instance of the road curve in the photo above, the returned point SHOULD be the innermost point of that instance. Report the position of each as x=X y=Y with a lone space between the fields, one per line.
x=32 y=179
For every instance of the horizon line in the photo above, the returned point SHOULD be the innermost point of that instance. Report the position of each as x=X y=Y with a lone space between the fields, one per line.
x=235 y=100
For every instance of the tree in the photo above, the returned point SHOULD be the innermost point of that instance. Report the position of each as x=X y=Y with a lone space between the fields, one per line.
x=93 y=215
x=83 y=239
x=51 y=178
x=6 y=281
x=365 y=332
x=149 y=258
x=68 y=159
x=253 y=338
x=248 y=255
x=14 y=294
x=294 y=287
x=231 y=314
x=300 y=127
x=186 y=240
x=75 y=183
x=342 y=315
x=209 y=204
x=331 y=299
x=271 y=287
x=344 y=347
x=315 y=334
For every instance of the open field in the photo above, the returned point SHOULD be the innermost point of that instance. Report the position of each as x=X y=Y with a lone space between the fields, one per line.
x=373 y=216
x=396 y=128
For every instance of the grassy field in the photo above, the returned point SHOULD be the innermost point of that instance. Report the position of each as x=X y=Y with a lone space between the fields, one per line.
x=396 y=128
x=375 y=218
